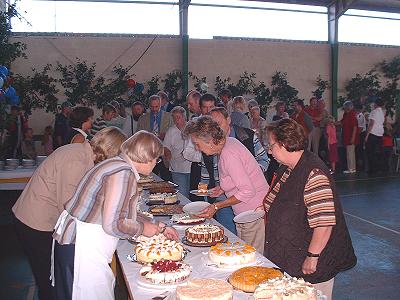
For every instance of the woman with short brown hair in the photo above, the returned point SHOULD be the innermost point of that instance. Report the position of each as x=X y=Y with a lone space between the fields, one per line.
x=306 y=233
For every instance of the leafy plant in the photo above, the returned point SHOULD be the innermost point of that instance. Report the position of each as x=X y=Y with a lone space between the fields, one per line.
x=173 y=85
x=281 y=90
x=9 y=51
x=322 y=85
x=153 y=87
x=262 y=96
x=221 y=84
x=198 y=82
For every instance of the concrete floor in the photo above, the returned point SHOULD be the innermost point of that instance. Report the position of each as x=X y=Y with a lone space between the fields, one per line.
x=372 y=210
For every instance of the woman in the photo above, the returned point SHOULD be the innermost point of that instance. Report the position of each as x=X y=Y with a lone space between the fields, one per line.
x=280 y=108
x=241 y=178
x=50 y=187
x=103 y=210
x=257 y=123
x=81 y=120
x=173 y=149
x=306 y=233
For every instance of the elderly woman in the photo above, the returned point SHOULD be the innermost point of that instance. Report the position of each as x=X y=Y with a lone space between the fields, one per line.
x=50 y=187
x=238 y=116
x=306 y=234
x=81 y=120
x=241 y=178
x=103 y=210
x=173 y=151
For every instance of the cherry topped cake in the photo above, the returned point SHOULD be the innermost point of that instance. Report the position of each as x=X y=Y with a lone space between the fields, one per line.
x=166 y=272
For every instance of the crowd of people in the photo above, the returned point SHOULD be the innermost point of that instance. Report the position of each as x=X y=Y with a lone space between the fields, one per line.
x=83 y=197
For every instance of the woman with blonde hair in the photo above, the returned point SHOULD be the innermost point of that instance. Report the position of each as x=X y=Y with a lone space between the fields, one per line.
x=238 y=116
x=50 y=187
x=103 y=210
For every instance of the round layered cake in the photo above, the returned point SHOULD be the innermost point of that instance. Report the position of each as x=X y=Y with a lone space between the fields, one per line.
x=204 y=234
x=232 y=254
x=156 y=249
x=248 y=278
x=186 y=219
x=204 y=289
x=166 y=272
x=285 y=288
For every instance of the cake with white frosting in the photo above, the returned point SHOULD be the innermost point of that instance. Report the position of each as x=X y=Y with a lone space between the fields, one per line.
x=204 y=234
x=166 y=272
x=155 y=249
x=232 y=254
x=205 y=289
x=286 y=288
x=186 y=219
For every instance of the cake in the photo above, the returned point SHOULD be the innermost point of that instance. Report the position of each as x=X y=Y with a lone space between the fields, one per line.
x=286 y=288
x=232 y=254
x=155 y=249
x=166 y=272
x=202 y=188
x=166 y=198
x=248 y=278
x=145 y=179
x=204 y=289
x=166 y=209
x=186 y=219
x=204 y=234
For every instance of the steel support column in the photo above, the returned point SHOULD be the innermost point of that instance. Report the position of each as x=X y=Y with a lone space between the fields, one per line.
x=334 y=54
x=183 y=31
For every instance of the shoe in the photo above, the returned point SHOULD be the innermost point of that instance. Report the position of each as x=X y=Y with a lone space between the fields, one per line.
x=331 y=172
x=353 y=171
x=346 y=172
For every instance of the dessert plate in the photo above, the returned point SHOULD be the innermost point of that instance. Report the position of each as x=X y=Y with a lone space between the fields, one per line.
x=248 y=216
x=195 y=207
x=149 y=285
x=186 y=242
x=211 y=264
x=160 y=202
x=198 y=193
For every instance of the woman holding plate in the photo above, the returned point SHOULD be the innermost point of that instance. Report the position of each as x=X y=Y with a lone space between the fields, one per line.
x=241 y=178
x=306 y=233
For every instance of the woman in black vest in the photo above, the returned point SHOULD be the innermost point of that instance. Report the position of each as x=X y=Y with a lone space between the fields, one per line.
x=81 y=120
x=306 y=233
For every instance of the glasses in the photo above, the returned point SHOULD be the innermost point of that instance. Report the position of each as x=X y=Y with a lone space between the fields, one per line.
x=269 y=147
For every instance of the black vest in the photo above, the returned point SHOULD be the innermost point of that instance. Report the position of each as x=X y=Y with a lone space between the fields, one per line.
x=246 y=137
x=288 y=234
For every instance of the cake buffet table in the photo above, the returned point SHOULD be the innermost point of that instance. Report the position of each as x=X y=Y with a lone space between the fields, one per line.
x=15 y=179
x=196 y=258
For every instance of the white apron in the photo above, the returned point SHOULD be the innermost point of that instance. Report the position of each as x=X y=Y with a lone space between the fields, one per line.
x=94 y=249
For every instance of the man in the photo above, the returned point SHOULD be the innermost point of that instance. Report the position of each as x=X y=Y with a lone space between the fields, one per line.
x=301 y=117
x=109 y=112
x=193 y=103
x=120 y=117
x=373 y=139
x=16 y=124
x=246 y=136
x=130 y=124
x=362 y=129
x=166 y=105
x=350 y=139
x=155 y=121
x=226 y=97
x=62 y=129
x=207 y=102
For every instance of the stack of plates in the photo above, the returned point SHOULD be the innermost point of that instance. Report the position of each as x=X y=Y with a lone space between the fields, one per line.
x=40 y=159
x=11 y=164
x=28 y=163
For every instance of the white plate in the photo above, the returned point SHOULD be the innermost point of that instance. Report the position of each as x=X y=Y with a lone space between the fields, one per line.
x=249 y=216
x=149 y=285
x=195 y=207
x=211 y=264
x=200 y=194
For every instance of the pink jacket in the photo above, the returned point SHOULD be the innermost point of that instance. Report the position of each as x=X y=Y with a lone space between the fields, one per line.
x=240 y=175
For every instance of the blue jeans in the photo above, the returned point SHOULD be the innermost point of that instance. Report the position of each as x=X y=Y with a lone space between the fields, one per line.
x=225 y=217
x=183 y=180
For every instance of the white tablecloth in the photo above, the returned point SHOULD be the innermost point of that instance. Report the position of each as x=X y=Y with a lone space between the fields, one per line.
x=15 y=179
x=196 y=258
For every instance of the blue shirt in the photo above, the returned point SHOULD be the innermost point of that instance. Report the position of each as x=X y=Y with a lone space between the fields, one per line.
x=152 y=116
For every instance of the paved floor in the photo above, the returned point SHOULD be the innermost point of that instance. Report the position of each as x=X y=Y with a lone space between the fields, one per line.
x=372 y=210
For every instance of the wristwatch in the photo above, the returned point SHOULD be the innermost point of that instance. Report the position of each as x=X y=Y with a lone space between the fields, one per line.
x=309 y=254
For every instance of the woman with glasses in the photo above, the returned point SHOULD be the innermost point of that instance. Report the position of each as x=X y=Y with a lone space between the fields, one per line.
x=240 y=176
x=306 y=234
x=103 y=210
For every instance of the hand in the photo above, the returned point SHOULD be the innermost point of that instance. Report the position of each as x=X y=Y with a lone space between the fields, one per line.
x=150 y=229
x=260 y=208
x=207 y=213
x=216 y=192
x=171 y=233
x=309 y=265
